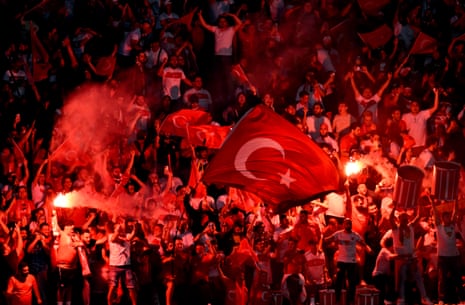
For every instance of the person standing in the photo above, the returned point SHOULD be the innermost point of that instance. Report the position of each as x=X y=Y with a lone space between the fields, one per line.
x=404 y=247
x=347 y=267
x=416 y=120
x=120 y=264
x=224 y=36
x=448 y=256
x=22 y=287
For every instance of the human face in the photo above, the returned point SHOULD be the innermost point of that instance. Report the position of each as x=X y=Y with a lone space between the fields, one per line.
x=268 y=100
x=67 y=184
x=290 y=109
x=86 y=238
x=317 y=110
x=155 y=46
x=323 y=130
x=222 y=23
x=362 y=189
x=342 y=108
x=25 y=271
x=174 y=61
x=45 y=230
x=414 y=107
x=367 y=93
x=446 y=218
x=22 y=193
x=179 y=246
x=198 y=83
x=348 y=225
x=199 y=249
x=396 y=115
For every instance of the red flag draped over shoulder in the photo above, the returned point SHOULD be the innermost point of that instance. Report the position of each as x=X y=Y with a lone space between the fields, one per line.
x=424 y=44
x=269 y=157
x=176 y=123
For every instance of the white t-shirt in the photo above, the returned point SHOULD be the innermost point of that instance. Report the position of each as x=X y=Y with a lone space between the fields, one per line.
x=315 y=267
x=172 y=82
x=416 y=125
x=347 y=245
x=370 y=104
x=204 y=96
x=342 y=122
x=336 y=204
x=425 y=160
x=155 y=58
x=446 y=240
x=407 y=247
x=38 y=194
x=383 y=265
x=224 y=41
x=120 y=254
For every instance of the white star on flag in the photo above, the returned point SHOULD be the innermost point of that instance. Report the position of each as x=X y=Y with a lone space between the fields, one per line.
x=286 y=178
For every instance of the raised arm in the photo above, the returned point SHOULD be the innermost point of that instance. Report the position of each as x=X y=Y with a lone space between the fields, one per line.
x=205 y=24
x=392 y=218
x=385 y=85
x=436 y=218
x=436 y=101
x=39 y=172
x=237 y=21
x=354 y=86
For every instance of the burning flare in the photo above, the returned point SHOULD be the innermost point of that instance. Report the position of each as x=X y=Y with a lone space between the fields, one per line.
x=352 y=168
x=61 y=201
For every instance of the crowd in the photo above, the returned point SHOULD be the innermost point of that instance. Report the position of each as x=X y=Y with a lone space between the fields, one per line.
x=88 y=85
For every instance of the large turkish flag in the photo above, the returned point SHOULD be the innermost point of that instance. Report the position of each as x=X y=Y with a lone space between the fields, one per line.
x=269 y=157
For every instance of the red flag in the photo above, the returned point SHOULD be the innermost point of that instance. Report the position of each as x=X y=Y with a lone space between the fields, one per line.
x=459 y=39
x=210 y=136
x=372 y=7
x=195 y=174
x=378 y=37
x=243 y=200
x=424 y=44
x=70 y=155
x=186 y=19
x=105 y=66
x=176 y=123
x=269 y=157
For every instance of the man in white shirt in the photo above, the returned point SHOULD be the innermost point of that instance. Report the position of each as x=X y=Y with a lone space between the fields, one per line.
x=155 y=56
x=448 y=256
x=224 y=36
x=316 y=275
x=404 y=247
x=120 y=264
x=347 y=267
x=172 y=76
x=416 y=120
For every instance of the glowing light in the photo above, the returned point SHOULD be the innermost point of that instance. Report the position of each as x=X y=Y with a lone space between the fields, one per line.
x=352 y=168
x=61 y=201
